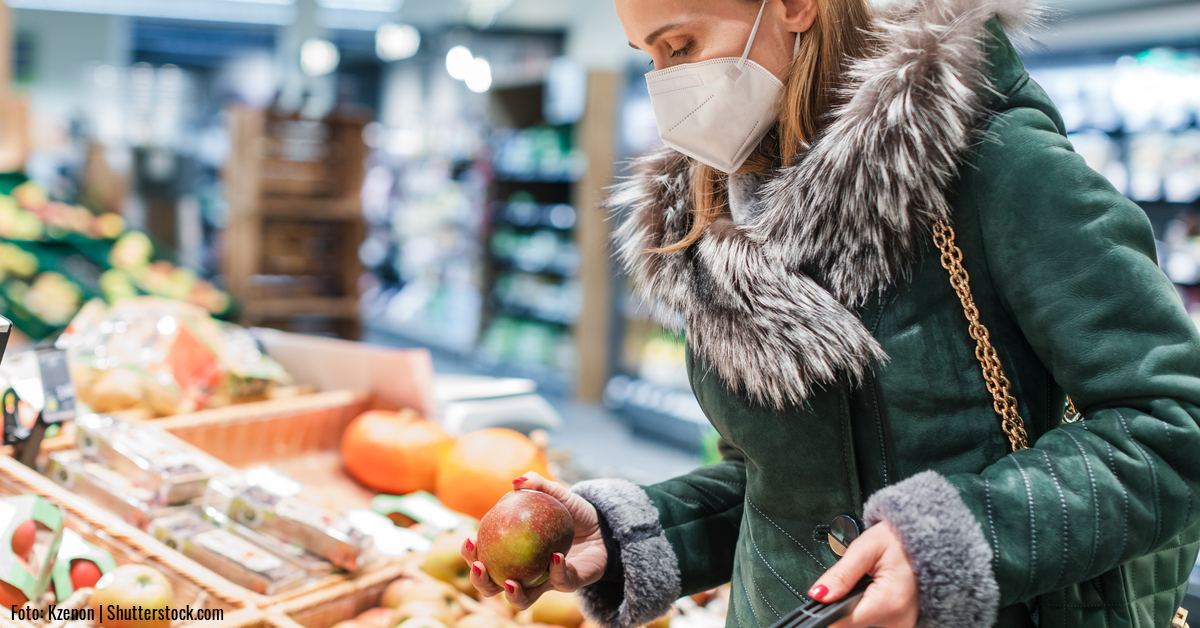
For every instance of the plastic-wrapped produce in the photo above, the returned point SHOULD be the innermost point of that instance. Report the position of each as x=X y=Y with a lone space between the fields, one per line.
x=227 y=554
x=163 y=357
x=326 y=534
x=101 y=485
x=171 y=471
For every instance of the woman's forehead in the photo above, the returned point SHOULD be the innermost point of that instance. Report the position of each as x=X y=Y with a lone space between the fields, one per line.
x=645 y=19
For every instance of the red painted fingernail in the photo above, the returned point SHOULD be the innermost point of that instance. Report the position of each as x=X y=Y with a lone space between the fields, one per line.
x=818 y=592
x=520 y=479
x=557 y=558
x=509 y=587
x=476 y=570
x=470 y=545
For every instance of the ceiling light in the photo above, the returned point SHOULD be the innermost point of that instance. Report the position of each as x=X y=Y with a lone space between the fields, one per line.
x=479 y=76
x=318 y=57
x=396 y=41
x=385 y=6
x=459 y=61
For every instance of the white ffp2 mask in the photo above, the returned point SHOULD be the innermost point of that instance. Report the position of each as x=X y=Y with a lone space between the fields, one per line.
x=716 y=111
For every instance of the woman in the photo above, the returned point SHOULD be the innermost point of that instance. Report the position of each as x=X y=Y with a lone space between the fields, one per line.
x=830 y=349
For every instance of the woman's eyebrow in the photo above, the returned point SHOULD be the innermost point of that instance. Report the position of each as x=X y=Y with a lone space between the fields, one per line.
x=658 y=33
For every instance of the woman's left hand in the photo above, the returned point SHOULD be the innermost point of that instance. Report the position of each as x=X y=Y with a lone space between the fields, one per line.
x=892 y=600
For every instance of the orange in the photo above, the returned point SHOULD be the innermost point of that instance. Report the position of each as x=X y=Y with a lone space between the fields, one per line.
x=392 y=453
x=481 y=466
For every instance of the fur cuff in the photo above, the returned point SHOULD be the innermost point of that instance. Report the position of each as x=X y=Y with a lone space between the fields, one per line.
x=651 y=582
x=945 y=544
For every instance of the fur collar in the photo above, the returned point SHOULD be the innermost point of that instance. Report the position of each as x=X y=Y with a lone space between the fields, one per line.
x=769 y=305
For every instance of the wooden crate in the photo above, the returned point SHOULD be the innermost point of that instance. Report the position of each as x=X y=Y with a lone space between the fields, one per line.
x=323 y=609
x=194 y=585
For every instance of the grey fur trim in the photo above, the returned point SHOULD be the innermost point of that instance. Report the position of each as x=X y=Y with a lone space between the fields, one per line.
x=769 y=305
x=651 y=567
x=950 y=557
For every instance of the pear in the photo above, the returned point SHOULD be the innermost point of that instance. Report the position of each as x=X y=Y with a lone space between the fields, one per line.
x=557 y=608
x=445 y=562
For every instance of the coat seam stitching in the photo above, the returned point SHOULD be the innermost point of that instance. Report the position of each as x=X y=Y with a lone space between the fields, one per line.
x=764 y=597
x=750 y=603
x=785 y=582
x=1153 y=477
x=1062 y=500
x=785 y=533
x=1095 y=503
x=1032 y=528
x=720 y=500
x=987 y=495
x=1124 y=500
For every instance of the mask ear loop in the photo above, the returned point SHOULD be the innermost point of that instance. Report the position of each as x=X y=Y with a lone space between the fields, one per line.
x=736 y=71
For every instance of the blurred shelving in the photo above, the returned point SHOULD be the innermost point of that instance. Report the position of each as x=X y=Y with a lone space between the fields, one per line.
x=295 y=226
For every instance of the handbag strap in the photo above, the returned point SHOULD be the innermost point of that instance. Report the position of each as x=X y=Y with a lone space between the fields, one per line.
x=989 y=361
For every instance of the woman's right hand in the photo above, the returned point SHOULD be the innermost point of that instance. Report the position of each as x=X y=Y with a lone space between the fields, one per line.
x=583 y=565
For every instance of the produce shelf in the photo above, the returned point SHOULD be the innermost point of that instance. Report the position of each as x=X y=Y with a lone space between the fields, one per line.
x=194 y=585
x=301 y=436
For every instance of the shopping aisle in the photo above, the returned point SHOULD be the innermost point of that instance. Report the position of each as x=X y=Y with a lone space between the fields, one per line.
x=601 y=444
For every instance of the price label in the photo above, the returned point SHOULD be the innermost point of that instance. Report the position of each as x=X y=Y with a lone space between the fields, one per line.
x=56 y=383
x=239 y=551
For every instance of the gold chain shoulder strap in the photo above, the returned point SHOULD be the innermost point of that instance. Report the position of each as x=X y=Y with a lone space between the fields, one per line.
x=993 y=372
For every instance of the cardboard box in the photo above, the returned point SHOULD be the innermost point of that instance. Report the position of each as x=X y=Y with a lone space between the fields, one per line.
x=400 y=377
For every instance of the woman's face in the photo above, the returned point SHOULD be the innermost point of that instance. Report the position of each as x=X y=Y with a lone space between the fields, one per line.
x=686 y=31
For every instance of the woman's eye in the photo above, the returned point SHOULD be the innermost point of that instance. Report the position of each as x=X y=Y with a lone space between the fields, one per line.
x=682 y=52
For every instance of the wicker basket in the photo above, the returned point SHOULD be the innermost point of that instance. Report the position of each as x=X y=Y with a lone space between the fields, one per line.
x=270 y=431
x=194 y=585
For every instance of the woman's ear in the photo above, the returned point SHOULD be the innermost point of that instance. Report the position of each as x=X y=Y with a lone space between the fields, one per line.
x=799 y=15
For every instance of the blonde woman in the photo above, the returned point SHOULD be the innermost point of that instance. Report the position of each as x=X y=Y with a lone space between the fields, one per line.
x=894 y=275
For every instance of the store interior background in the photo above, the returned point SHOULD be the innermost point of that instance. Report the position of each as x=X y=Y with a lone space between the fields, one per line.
x=442 y=165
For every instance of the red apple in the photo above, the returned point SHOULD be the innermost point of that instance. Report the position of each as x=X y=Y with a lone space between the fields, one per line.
x=518 y=536
x=128 y=586
x=84 y=573
x=10 y=596
x=23 y=538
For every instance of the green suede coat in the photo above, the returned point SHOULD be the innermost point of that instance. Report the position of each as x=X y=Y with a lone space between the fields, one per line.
x=1064 y=273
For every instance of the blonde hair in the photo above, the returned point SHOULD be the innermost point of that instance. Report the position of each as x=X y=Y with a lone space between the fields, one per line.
x=838 y=35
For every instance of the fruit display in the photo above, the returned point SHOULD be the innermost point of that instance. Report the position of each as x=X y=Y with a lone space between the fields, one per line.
x=134 y=270
x=29 y=214
x=16 y=262
x=128 y=587
x=520 y=534
x=444 y=561
x=479 y=469
x=394 y=452
x=158 y=357
x=92 y=255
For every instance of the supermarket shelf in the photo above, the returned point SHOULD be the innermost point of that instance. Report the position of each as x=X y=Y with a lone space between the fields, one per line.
x=518 y=310
x=551 y=381
x=503 y=263
x=668 y=414
x=535 y=179
x=337 y=307
x=417 y=337
x=311 y=208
